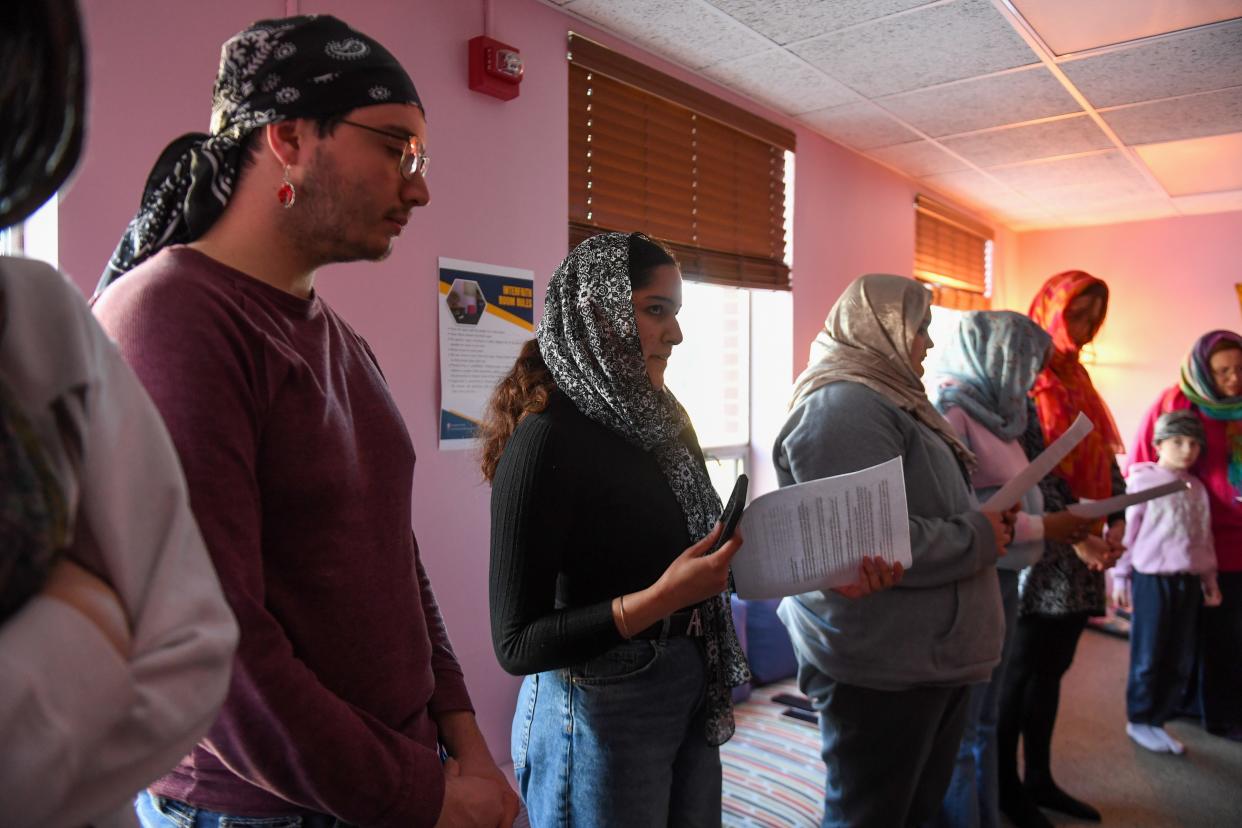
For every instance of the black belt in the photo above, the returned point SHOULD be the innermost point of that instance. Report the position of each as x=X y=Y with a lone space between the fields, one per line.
x=687 y=622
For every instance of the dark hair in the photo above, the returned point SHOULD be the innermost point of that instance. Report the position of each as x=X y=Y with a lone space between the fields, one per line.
x=529 y=384
x=43 y=98
x=1095 y=290
x=252 y=142
x=645 y=254
x=524 y=390
x=1224 y=345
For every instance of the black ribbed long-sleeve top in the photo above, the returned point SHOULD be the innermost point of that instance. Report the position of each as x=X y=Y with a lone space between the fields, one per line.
x=579 y=516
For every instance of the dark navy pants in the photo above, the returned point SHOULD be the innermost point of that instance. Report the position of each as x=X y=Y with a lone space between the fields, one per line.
x=1220 y=641
x=1163 y=619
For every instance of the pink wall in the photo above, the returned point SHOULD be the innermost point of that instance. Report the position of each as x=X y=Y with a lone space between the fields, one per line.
x=499 y=194
x=850 y=217
x=1170 y=281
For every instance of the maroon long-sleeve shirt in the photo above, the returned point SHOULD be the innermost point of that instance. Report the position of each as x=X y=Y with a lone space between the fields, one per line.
x=300 y=471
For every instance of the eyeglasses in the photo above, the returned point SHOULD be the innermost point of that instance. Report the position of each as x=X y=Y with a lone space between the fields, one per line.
x=414 y=156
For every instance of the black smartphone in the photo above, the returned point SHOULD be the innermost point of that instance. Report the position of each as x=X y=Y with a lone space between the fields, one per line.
x=732 y=511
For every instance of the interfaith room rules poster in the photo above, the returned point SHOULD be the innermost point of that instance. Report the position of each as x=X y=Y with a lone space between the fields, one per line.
x=486 y=312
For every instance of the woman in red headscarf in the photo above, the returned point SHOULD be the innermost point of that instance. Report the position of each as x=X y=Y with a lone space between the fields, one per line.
x=1066 y=586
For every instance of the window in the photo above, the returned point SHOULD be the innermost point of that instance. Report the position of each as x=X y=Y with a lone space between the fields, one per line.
x=648 y=152
x=710 y=374
x=952 y=256
x=943 y=327
x=36 y=237
x=709 y=179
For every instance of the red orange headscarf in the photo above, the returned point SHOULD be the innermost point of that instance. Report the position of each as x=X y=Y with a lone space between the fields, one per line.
x=1064 y=388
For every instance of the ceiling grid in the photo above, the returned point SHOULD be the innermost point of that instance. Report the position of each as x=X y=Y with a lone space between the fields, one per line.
x=1037 y=113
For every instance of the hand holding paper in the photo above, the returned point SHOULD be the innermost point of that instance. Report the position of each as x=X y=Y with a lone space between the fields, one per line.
x=815 y=535
x=874 y=575
x=1029 y=478
x=1103 y=508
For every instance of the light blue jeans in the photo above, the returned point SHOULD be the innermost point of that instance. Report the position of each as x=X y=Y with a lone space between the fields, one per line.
x=618 y=741
x=159 y=812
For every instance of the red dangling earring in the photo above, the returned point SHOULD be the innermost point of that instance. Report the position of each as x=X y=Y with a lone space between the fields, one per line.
x=286 y=195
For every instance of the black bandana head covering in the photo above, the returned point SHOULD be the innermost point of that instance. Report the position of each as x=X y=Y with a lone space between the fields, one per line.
x=588 y=337
x=293 y=67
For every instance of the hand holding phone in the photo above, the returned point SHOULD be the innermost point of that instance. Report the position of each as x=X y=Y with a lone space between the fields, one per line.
x=732 y=511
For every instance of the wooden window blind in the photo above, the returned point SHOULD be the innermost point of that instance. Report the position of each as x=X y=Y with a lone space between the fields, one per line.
x=952 y=255
x=648 y=152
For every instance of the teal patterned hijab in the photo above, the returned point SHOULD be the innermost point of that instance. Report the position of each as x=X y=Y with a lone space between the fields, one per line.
x=988 y=369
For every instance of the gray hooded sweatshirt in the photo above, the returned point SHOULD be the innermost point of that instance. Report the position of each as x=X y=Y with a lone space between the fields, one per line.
x=943 y=624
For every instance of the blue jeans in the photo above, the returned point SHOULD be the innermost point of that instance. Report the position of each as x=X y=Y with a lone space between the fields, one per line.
x=972 y=800
x=160 y=812
x=960 y=808
x=619 y=741
x=1162 y=644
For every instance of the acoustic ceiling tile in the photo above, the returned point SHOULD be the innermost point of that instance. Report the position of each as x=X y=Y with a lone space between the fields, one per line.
x=1109 y=171
x=1209 y=202
x=978 y=189
x=1099 y=200
x=1023 y=215
x=1079 y=215
x=931 y=45
x=860 y=125
x=1193 y=116
x=918 y=158
x=982 y=103
x=688 y=32
x=781 y=80
x=1193 y=61
x=1196 y=165
x=1011 y=145
x=788 y=20
x=1074 y=26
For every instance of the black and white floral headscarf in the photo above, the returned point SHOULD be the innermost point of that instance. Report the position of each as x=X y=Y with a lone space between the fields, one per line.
x=589 y=339
x=294 y=67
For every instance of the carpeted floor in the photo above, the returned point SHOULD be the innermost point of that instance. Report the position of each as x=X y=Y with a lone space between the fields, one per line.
x=773 y=775
x=1094 y=759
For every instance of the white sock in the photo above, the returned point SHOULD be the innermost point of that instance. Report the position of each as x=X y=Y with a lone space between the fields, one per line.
x=1173 y=745
x=1148 y=737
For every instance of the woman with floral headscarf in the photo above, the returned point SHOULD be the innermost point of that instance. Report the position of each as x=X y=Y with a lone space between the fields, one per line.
x=1211 y=386
x=986 y=375
x=1060 y=591
x=602 y=593
x=889 y=675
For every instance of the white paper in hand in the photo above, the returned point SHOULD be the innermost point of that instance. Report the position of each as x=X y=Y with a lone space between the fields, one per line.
x=1038 y=469
x=814 y=535
x=1103 y=508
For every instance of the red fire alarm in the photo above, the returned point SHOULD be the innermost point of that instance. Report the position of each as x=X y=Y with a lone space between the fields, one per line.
x=495 y=68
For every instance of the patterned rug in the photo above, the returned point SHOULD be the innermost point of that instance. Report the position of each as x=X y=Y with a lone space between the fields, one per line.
x=773 y=774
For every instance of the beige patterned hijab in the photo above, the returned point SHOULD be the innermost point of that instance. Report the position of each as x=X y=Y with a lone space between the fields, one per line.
x=867 y=339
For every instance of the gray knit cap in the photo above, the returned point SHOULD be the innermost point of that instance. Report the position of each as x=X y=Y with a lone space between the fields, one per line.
x=1181 y=423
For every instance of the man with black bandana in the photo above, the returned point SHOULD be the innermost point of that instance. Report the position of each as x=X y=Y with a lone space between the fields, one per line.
x=298 y=462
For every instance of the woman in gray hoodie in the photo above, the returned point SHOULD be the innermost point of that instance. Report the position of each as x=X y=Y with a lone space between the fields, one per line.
x=889 y=673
